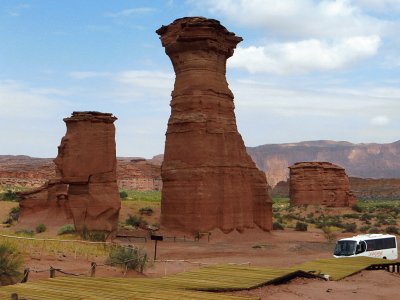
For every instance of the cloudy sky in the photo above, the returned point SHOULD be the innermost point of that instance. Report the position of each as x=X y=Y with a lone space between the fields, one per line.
x=306 y=70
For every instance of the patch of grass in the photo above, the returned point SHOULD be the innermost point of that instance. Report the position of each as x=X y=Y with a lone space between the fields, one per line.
x=25 y=232
x=66 y=229
x=392 y=230
x=329 y=233
x=147 y=196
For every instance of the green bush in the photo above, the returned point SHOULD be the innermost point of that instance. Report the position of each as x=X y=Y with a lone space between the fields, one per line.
x=69 y=228
x=40 y=228
x=135 y=221
x=277 y=226
x=128 y=257
x=10 y=260
x=13 y=215
x=123 y=194
x=352 y=227
x=392 y=230
x=148 y=211
x=356 y=208
x=300 y=226
x=351 y=216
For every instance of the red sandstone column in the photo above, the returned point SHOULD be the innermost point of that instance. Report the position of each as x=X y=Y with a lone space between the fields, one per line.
x=209 y=180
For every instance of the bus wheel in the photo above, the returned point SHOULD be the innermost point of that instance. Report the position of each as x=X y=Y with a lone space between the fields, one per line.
x=384 y=257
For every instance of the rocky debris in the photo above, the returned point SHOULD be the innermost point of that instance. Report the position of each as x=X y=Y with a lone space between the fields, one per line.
x=209 y=180
x=320 y=183
x=85 y=190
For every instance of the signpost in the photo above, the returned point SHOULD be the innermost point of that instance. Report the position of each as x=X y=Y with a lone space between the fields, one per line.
x=156 y=238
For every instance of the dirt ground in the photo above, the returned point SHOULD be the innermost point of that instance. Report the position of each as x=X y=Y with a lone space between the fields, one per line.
x=256 y=248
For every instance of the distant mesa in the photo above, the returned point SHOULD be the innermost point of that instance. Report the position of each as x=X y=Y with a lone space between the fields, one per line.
x=360 y=160
x=319 y=183
x=84 y=191
x=209 y=180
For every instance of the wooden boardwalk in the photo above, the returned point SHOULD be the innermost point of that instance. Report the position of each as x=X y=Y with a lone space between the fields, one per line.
x=197 y=284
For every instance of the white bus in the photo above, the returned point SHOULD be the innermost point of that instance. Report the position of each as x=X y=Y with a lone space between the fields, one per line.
x=371 y=245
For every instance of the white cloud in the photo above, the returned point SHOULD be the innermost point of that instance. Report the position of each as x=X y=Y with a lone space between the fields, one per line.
x=305 y=56
x=17 y=99
x=299 y=18
x=17 y=9
x=130 y=12
x=380 y=121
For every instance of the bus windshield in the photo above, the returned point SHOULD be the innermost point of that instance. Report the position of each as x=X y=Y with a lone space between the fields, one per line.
x=345 y=248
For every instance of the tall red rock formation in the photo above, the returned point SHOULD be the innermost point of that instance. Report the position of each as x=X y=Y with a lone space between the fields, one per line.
x=85 y=191
x=319 y=183
x=209 y=180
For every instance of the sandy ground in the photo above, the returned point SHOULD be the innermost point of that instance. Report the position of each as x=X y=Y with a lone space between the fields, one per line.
x=276 y=249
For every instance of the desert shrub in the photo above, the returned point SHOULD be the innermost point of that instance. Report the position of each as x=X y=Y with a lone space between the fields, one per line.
x=123 y=194
x=300 y=226
x=364 y=228
x=128 y=257
x=13 y=215
x=148 y=211
x=392 y=230
x=373 y=230
x=135 y=221
x=68 y=228
x=365 y=217
x=25 y=232
x=40 y=228
x=357 y=208
x=349 y=227
x=277 y=226
x=10 y=260
x=351 y=216
x=10 y=195
x=389 y=221
x=329 y=233
x=93 y=235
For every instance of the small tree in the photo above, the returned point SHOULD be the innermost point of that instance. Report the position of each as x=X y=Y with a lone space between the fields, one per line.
x=128 y=257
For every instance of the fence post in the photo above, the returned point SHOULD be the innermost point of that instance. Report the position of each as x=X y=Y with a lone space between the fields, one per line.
x=52 y=272
x=14 y=296
x=93 y=270
x=26 y=275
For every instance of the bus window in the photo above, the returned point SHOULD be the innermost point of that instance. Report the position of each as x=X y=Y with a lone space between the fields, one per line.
x=361 y=247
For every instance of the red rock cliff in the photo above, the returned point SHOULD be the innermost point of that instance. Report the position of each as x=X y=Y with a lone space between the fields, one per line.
x=85 y=191
x=209 y=181
x=319 y=183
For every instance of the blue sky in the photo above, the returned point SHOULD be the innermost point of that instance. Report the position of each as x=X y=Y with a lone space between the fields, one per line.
x=306 y=70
